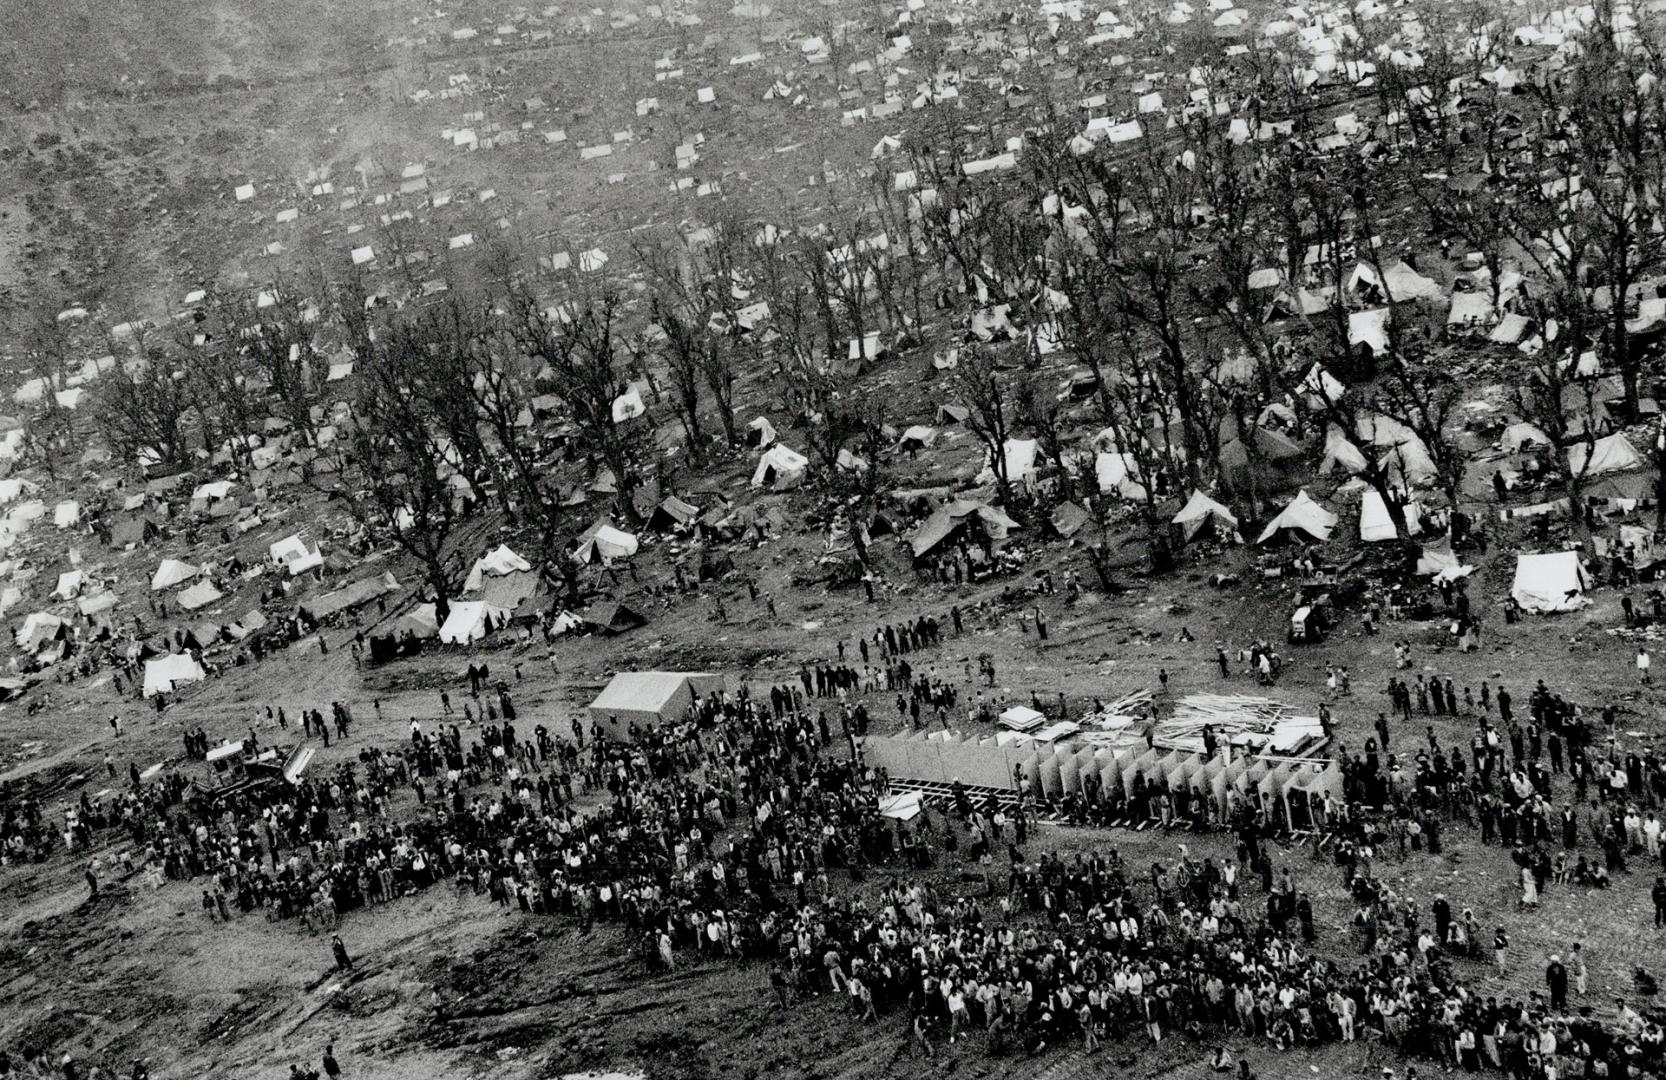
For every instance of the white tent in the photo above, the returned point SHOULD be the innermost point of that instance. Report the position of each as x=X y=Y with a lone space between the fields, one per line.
x=66 y=513
x=1303 y=516
x=1408 y=463
x=167 y=673
x=1339 y=450
x=1200 y=510
x=1369 y=328
x=39 y=628
x=1322 y=385
x=1438 y=560
x=1398 y=282
x=472 y=620
x=499 y=562
x=293 y=552
x=760 y=432
x=606 y=544
x=286 y=550
x=97 y=602
x=1554 y=581
x=15 y=487
x=1524 y=436
x=209 y=492
x=1612 y=453
x=1020 y=455
x=199 y=595
x=172 y=572
x=33 y=510
x=69 y=584
x=420 y=622
x=1118 y=472
x=917 y=437
x=1375 y=525
x=780 y=467
x=628 y=406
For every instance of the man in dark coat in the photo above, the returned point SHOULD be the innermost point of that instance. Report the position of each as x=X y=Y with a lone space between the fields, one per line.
x=1556 y=980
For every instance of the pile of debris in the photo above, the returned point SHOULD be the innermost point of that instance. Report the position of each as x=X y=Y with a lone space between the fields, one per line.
x=1256 y=723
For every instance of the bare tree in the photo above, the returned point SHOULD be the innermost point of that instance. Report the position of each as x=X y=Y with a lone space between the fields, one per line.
x=977 y=380
x=579 y=342
x=393 y=469
x=142 y=403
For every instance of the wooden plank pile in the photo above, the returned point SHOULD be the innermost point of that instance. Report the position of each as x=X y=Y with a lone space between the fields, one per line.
x=1229 y=716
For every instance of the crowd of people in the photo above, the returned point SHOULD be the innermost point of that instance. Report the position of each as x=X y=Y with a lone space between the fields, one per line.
x=737 y=834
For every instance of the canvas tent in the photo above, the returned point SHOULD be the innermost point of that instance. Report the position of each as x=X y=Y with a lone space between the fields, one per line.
x=1340 y=451
x=759 y=432
x=1553 y=581
x=605 y=544
x=293 y=553
x=1375 y=524
x=132 y=531
x=1524 y=436
x=199 y=595
x=69 y=584
x=38 y=629
x=1020 y=458
x=780 y=468
x=319 y=608
x=168 y=673
x=420 y=622
x=1303 y=519
x=649 y=699
x=949 y=520
x=1610 y=454
x=471 y=621
x=672 y=513
x=1408 y=462
x=498 y=562
x=512 y=591
x=171 y=572
x=1202 y=512
x=918 y=437
x=96 y=603
x=613 y=619
x=1118 y=472
x=1438 y=559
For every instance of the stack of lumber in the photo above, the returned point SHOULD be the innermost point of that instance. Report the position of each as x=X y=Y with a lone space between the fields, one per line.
x=1236 y=718
x=1125 y=710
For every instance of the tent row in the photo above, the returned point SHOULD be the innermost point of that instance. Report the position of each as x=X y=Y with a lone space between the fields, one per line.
x=1057 y=770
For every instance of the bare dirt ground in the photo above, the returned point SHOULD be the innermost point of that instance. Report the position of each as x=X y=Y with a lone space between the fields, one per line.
x=139 y=973
x=124 y=130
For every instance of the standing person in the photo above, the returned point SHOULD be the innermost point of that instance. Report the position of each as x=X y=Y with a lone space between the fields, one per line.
x=921 y=1038
x=1580 y=975
x=1304 y=914
x=343 y=961
x=1500 y=945
x=666 y=958
x=1556 y=981
x=332 y=1067
x=778 y=982
x=1643 y=663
